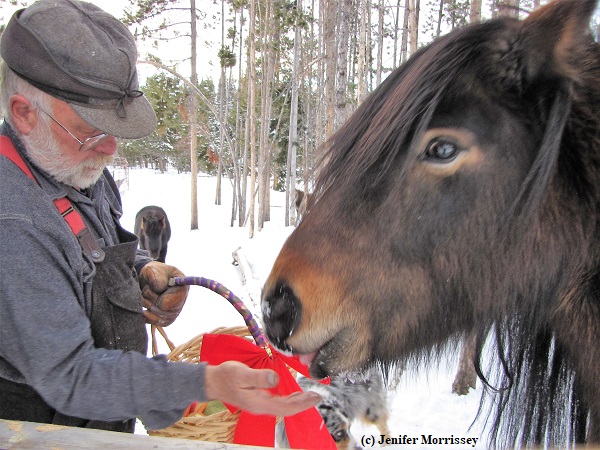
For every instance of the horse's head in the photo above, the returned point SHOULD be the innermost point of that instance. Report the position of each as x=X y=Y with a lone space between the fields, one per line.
x=154 y=237
x=438 y=193
x=154 y=231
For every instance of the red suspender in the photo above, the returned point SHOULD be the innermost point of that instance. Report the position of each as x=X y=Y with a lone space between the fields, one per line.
x=64 y=206
x=8 y=149
x=72 y=217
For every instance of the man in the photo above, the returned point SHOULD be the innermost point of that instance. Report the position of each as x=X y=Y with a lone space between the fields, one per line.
x=72 y=332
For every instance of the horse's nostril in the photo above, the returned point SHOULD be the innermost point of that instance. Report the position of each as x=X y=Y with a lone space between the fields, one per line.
x=282 y=300
x=281 y=313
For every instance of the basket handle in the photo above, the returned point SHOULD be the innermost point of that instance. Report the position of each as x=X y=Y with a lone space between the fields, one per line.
x=214 y=286
x=163 y=333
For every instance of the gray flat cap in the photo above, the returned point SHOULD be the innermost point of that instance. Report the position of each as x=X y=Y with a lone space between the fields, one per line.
x=79 y=53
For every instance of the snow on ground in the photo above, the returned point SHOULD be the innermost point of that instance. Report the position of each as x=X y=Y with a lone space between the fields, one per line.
x=422 y=403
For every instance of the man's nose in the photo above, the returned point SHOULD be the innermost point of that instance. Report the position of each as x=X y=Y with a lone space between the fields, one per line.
x=107 y=145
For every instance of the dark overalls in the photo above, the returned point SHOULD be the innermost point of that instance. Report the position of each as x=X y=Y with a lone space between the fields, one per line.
x=116 y=320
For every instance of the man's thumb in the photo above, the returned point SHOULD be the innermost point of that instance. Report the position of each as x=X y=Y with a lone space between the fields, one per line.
x=270 y=378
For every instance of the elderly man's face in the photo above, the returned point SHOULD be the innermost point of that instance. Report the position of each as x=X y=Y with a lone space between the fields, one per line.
x=57 y=152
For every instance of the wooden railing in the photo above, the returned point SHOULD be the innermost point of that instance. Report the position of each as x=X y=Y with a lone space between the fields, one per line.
x=39 y=436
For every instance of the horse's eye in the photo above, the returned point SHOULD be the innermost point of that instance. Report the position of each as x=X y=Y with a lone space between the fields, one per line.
x=441 y=150
x=340 y=435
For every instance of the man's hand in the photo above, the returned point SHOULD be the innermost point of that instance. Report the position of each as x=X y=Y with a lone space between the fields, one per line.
x=163 y=303
x=237 y=384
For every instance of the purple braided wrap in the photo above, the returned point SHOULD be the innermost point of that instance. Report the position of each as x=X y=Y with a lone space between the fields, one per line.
x=258 y=335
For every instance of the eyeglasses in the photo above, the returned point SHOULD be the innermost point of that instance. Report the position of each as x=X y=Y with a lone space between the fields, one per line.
x=85 y=145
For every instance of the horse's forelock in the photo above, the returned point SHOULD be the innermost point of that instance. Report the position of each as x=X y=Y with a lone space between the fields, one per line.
x=373 y=142
x=370 y=143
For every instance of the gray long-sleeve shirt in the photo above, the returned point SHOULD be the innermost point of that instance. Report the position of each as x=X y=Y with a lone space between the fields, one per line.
x=45 y=300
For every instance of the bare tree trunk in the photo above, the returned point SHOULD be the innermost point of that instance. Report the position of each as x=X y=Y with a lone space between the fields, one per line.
x=396 y=30
x=406 y=22
x=314 y=134
x=252 y=113
x=475 y=11
x=321 y=104
x=264 y=119
x=193 y=124
x=311 y=132
x=290 y=190
x=440 y=19
x=509 y=8
x=341 y=79
x=236 y=149
x=368 y=54
x=363 y=68
x=243 y=172
x=267 y=181
x=381 y=14
x=244 y=196
x=414 y=25
x=330 y=61
x=222 y=101
x=264 y=160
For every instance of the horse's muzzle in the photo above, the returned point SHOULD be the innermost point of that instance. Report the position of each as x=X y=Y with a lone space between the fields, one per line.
x=282 y=313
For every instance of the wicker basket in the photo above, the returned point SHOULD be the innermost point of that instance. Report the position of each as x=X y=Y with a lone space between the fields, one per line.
x=218 y=427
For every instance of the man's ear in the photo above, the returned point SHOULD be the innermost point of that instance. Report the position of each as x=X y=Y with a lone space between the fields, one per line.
x=24 y=115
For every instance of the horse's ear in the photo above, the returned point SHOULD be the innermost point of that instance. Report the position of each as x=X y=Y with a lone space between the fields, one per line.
x=553 y=35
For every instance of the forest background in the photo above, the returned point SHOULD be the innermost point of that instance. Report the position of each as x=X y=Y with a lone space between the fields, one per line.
x=249 y=90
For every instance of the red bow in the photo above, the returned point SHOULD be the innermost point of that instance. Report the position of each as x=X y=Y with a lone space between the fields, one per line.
x=304 y=430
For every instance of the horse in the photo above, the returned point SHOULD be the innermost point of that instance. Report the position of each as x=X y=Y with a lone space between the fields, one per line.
x=153 y=229
x=300 y=203
x=463 y=196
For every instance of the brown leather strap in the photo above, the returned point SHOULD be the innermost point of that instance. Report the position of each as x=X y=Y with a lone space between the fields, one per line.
x=63 y=204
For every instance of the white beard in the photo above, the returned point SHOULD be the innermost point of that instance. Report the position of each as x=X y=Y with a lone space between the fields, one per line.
x=43 y=148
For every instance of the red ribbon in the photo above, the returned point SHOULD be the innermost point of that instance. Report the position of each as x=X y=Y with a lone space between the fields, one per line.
x=304 y=430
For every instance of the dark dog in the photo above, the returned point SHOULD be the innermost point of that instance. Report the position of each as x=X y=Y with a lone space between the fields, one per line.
x=357 y=396
x=153 y=229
